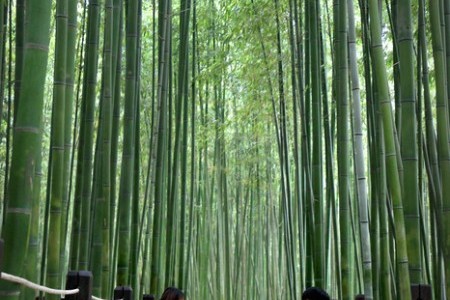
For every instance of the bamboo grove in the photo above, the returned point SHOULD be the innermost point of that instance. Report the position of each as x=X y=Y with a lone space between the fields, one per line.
x=235 y=149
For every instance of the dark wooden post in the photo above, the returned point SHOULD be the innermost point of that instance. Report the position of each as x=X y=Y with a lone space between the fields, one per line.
x=123 y=292
x=81 y=280
x=420 y=292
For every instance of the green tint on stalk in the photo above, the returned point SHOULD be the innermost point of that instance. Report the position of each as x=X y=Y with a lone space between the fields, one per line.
x=393 y=178
x=26 y=153
x=126 y=179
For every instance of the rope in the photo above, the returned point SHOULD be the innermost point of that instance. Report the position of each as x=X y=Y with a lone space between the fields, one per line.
x=34 y=286
x=44 y=289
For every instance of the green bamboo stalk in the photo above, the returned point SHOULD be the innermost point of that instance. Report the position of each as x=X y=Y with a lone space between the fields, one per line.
x=3 y=39
x=136 y=209
x=374 y=161
x=343 y=150
x=126 y=179
x=224 y=195
x=330 y=223
x=442 y=127
x=188 y=269
x=408 y=139
x=393 y=177
x=27 y=140
x=145 y=279
x=385 y=278
x=137 y=226
x=318 y=205
x=100 y=251
x=85 y=146
x=445 y=11
x=183 y=88
x=432 y=157
x=31 y=272
x=298 y=31
x=53 y=275
x=305 y=113
x=76 y=217
x=359 y=158
x=164 y=22
x=8 y=115
x=297 y=203
x=392 y=12
x=286 y=209
x=117 y=59
x=3 y=77
x=138 y=223
x=69 y=96
x=19 y=53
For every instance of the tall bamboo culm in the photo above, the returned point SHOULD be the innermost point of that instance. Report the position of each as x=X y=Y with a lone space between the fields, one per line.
x=27 y=139
x=393 y=178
